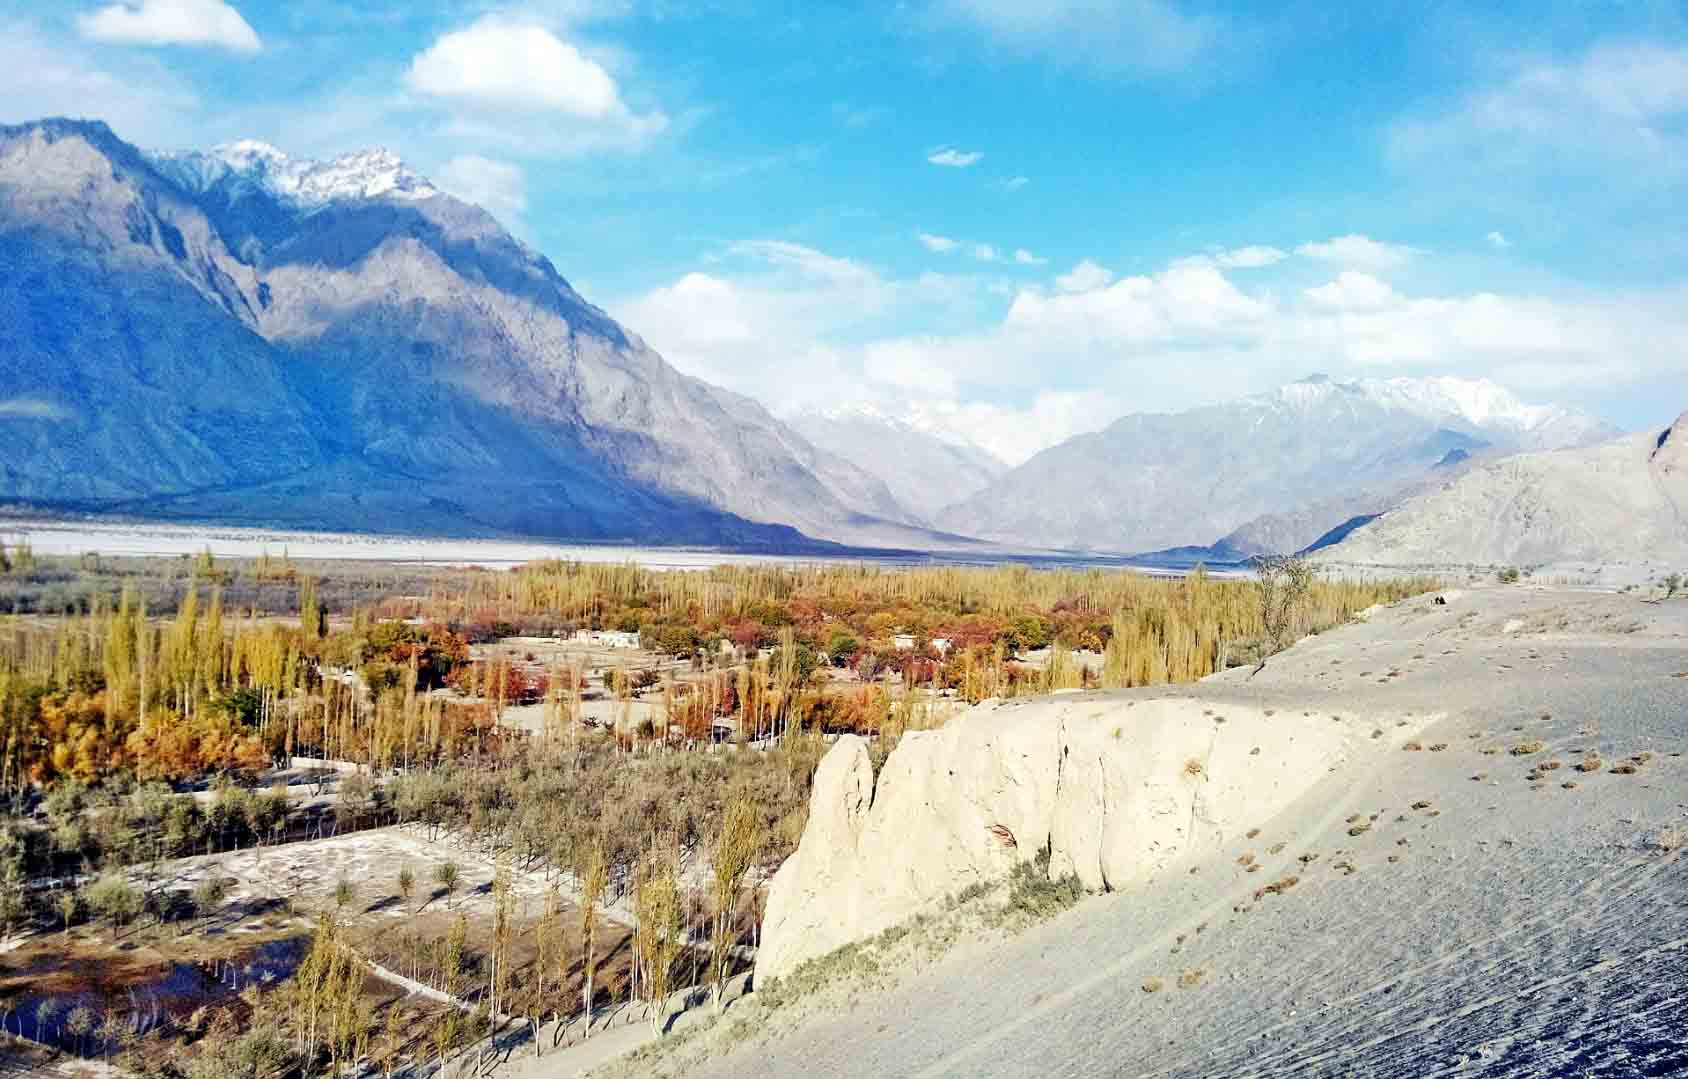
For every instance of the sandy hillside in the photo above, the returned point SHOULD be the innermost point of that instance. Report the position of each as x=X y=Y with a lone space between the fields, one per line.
x=1620 y=501
x=1465 y=901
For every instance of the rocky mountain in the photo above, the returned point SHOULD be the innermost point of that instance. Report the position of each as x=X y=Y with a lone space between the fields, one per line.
x=1271 y=471
x=242 y=336
x=924 y=469
x=1625 y=500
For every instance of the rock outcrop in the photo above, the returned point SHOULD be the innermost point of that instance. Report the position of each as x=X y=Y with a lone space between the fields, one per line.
x=1623 y=501
x=1118 y=787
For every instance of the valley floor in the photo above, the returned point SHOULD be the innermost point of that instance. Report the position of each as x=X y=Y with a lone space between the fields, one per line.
x=1467 y=902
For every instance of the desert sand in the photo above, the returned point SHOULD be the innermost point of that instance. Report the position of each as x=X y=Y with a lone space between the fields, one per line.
x=1466 y=900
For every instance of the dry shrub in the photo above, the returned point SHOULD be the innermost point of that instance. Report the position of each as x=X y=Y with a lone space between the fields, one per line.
x=1524 y=749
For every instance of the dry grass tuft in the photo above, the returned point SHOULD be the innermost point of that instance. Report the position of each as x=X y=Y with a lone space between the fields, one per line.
x=1190 y=979
x=1524 y=749
x=1193 y=767
x=1152 y=985
x=1413 y=747
x=1590 y=763
x=1277 y=887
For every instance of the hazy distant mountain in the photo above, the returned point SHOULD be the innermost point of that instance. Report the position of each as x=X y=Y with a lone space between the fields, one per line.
x=926 y=470
x=244 y=336
x=1291 y=463
x=1625 y=500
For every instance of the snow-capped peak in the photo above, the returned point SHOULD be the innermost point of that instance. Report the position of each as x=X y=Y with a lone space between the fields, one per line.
x=1447 y=399
x=363 y=174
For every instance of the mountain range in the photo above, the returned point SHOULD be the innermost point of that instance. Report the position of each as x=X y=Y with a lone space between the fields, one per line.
x=1271 y=471
x=247 y=337
x=239 y=336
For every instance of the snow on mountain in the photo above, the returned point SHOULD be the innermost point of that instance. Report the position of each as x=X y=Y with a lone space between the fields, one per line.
x=363 y=174
x=1461 y=403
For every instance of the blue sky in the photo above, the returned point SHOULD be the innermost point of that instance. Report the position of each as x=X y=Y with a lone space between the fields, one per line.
x=1013 y=223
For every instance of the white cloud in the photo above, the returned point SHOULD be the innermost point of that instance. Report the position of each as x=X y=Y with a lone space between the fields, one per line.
x=517 y=66
x=132 y=91
x=985 y=253
x=1108 y=37
x=212 y=23
x=1351 y=290
x=1357 y=251
x=942 y=245
x=949 y=157
x=1026 y=258
x=1499 y=241
x=1085 y=276
x=1015 y=183
x=498 y=187
x=1249 y=258
x=520 y=84
x=800 y=326
x=1618 y=110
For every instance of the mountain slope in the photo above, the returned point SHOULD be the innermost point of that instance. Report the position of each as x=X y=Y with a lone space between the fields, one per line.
x=240 y=336
x=1153 y=481
x=924 y=471
x=1621 y=501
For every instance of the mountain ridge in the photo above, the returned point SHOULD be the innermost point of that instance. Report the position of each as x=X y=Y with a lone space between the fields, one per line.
x=406 y=350
x=1153 y=481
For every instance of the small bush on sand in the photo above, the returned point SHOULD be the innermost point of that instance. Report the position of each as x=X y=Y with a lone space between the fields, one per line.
x=1524 y=749
x=1032 y=892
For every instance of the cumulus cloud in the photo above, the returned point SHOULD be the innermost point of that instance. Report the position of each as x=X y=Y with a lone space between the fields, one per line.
x=1071 y=354
x=1026 y=258
x=1355 y=250
x=500 y=75
x=498 y=187
x=1087 y=275
x=1499 y=241
x=949 y=157
x=985 y=253
x=512 y=65
x=1015 y=183
x=1249 y=258
x=209 y=23
x=942 y=245
x=1352 y=289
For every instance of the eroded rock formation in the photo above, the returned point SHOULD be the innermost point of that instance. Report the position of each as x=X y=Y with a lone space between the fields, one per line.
x=1119 y=787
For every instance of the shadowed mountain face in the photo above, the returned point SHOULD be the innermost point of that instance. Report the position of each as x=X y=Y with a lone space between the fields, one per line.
x=1270 y=472
x=217 y=337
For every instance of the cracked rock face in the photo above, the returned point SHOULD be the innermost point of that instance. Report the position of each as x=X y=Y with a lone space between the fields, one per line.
x=1119 y=788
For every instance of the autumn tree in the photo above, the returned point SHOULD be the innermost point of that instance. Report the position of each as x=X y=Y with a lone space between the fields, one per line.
x=594 y=879
x=657 y=912
x=736 y=849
